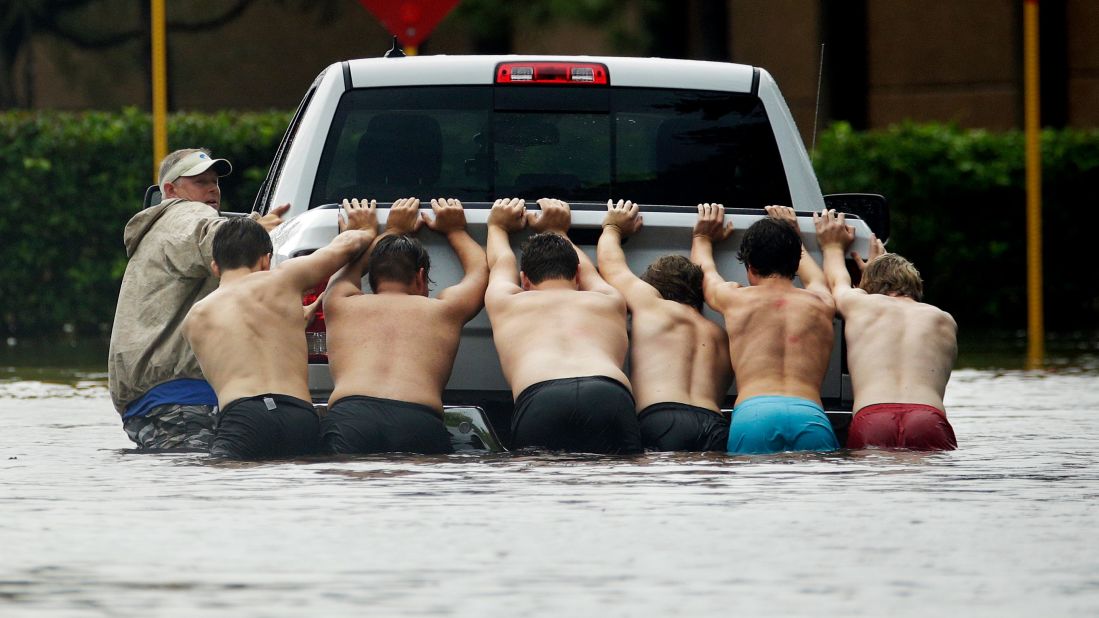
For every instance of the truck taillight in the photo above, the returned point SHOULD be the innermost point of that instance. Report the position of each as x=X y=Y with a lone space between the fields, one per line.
x=316 y=340
x=552 y=73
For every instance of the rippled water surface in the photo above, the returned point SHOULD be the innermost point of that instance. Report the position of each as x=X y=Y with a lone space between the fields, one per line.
x=1007 y=525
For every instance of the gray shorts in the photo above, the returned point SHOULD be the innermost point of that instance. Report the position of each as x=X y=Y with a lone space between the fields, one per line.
x=173 y=426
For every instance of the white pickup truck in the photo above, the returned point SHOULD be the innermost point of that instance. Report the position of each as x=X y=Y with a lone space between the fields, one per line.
x=666 y=134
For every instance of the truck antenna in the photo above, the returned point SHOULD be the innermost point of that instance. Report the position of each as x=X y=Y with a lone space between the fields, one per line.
x=816 y=108
x=395 y=51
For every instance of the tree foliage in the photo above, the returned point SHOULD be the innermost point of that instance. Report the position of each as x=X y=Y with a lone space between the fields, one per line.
x=71 y=181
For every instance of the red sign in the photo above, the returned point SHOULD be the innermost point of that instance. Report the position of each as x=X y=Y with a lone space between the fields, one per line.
x=411 y=21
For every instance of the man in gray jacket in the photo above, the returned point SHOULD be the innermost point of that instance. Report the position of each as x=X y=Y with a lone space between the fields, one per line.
x=154 y=378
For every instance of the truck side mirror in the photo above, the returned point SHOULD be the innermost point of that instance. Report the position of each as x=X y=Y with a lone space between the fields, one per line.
x=152 y=197
x=870 y=207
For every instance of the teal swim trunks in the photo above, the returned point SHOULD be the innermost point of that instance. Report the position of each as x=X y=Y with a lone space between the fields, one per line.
x=773 y=424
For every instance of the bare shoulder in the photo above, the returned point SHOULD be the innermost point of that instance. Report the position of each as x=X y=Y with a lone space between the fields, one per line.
x=740 y=297
x=818 y=297
x=674 y=310
x=942 y=317
x=199 y=312
x=731 y=294
x=850 y=295
x=729 y=290
x=708 y=328
x=853 y=301
x=711 y=326
x=588 y=297
x=266 y=288
x=337 y=303
x=662 y=313
x=796 y=296
x=450 y=310
x=498 y=299
x=615 y=301
x=204 y=305
x=191 y=317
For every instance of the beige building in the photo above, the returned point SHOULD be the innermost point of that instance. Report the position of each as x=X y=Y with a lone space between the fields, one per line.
x=884 y=60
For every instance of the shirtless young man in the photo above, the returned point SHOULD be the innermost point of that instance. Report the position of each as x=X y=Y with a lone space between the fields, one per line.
x=391 y=352
x=249 y=336
x=900 y=351
x=780 y=336
x=679 y=359
x=560 y=332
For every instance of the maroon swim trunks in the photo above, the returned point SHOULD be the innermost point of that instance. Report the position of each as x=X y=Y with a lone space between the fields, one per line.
x=901 y=425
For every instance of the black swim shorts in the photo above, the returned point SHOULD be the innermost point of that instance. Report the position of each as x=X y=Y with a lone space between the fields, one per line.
x=361 y=424
x=266 y=426
x=671 y=426
x=583 y=415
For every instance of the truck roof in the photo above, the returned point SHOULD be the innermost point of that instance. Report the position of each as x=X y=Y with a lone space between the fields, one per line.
x=624 y=72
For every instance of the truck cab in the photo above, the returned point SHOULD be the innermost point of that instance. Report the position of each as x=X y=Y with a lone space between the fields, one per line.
x=667 y=134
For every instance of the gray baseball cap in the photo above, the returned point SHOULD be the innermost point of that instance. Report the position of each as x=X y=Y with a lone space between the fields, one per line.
x=193 y=165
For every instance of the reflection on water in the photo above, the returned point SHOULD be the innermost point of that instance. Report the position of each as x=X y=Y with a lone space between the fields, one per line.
x=1004 y=526
x=69 y=353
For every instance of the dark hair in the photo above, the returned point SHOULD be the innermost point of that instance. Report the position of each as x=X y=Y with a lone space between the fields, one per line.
x=771 y=247
x=548 y=256
x=892 y=274
x=240 y=242
x=397 y=258
x=676 y=278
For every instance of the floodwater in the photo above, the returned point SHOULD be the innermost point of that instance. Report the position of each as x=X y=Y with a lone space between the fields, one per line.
x=1006 y=525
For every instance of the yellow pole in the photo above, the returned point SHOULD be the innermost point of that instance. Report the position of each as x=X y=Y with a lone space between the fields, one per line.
x=1035 y=321
x=160 y=87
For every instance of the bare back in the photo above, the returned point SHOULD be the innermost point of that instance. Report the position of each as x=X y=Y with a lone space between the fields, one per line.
x=549 y=334
x=678 y=355
x=250 y=338
x=898 y=350
x=393 y=346
x=780 y=340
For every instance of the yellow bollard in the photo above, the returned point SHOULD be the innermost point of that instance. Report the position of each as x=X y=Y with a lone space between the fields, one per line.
x=160 y=86
x=1035 y=320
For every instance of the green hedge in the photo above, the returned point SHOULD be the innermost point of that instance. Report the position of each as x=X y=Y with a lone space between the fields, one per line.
x=69 y=182
x=958 y=204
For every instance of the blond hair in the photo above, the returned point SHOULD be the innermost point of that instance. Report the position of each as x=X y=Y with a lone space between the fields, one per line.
x=892 y=274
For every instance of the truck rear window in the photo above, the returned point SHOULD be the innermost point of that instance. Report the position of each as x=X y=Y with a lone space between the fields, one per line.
x=477 y=143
